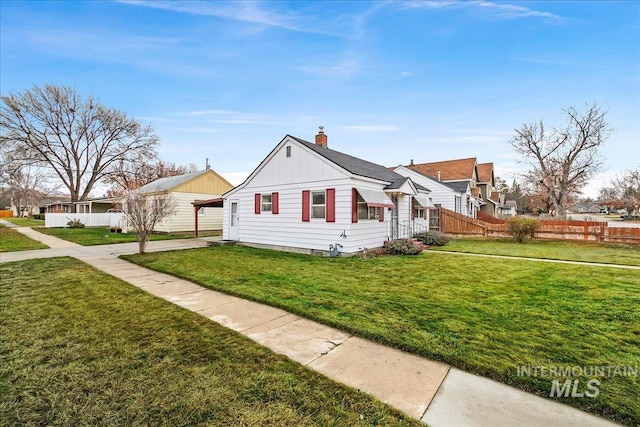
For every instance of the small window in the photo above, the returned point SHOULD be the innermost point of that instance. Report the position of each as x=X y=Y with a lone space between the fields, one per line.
x=318 y=204
x=365 y=211
x=288 y=150
x=201 y=211
x=418 y=212
x=266 y=203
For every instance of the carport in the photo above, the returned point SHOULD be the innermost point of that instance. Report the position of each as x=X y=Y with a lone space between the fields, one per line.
x=199 y=204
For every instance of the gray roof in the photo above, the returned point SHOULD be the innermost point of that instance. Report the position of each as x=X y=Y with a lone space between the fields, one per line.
x=459 y=186
x=355 y=165
x=165 y=184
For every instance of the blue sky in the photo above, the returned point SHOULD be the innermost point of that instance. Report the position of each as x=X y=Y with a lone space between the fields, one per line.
x=390 y=81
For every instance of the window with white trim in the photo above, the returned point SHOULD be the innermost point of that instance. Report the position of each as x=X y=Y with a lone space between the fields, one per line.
x=365 y=211
x=266 y=203
x=288 y=151
x=318 y=204
x=418 y=211
x=458 y=204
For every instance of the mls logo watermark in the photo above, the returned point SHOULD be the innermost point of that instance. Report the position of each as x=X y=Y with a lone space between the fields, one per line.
x=567 y=385
x=571 y=388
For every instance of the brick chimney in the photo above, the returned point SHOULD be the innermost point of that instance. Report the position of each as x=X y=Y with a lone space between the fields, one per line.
x=321 y=138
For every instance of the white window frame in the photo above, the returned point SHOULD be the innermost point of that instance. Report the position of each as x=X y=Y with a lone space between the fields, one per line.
x=458 y=204
x=317 y=206
x=266 y=202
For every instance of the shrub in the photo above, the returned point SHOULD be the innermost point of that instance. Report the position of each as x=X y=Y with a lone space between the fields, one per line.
x=75 y=223
x=432 y=238
x=38 y=216
x=401 y=247
x=522 y=228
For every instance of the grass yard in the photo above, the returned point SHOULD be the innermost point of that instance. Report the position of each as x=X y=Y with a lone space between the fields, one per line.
x=606 y=253
x=82 y=348
x=91 y=236
x=26 y=222
x=11 y=240
x=486 y=316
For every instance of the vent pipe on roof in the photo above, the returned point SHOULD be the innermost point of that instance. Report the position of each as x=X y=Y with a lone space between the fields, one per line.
x=321 y=138
x=206 y=165
x=411 y=164
x=439 y=176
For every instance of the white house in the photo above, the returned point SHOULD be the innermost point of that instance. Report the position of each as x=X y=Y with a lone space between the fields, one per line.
x=455 y=196
x=185 y=190
x=309 y=198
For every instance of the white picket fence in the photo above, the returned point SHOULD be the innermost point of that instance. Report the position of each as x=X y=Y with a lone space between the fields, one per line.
x=111 y=219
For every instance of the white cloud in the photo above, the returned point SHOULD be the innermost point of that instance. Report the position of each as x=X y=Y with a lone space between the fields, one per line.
x=344 y=69
x=244 y=11
x=501 y=10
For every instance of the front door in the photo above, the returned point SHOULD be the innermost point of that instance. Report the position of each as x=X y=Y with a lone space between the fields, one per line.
x=233 y=221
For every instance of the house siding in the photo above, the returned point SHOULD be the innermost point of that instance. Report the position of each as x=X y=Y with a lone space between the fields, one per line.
x=440 y=194
x=184 y=217
x=290 y=176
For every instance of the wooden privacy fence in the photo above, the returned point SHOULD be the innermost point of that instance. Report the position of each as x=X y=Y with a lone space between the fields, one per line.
x=6 y=213
x=460 y=225
x=111 y=219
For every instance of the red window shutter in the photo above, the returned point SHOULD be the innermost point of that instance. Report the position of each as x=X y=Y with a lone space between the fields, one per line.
x=275 y=208
x=381 y=215
x=413 y=208
x=331 y=204
x=425 y=212
x=257 y=203
x=306 y=204
x=354 y=205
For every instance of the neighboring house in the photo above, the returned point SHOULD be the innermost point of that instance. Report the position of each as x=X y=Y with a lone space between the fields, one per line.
x=307 y=197
x=99 y=205
x=455 y=196
x=185 y=190
x=578 y=209
x=509 y=209
x=55 y=206
x=480 y=179
x=486 y=183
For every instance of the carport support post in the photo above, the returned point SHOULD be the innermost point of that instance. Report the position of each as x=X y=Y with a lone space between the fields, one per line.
x=195 y=211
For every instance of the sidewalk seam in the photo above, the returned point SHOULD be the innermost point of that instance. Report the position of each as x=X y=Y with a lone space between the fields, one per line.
x=436 y=393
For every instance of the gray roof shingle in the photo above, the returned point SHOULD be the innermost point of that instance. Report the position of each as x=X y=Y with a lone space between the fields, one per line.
x=459 y=186
x=353 y=164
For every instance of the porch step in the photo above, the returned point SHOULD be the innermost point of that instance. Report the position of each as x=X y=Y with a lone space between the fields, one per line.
x=420 y=244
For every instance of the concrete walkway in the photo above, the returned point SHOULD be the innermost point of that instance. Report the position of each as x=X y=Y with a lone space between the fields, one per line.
x=430 y=391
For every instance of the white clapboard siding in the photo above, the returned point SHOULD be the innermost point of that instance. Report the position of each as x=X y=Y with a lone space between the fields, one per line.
x=289 y=177
x=183 y=219
x=89 y=220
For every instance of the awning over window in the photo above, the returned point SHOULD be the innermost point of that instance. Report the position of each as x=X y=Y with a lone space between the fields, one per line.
x=375 y=198
x=423 y=200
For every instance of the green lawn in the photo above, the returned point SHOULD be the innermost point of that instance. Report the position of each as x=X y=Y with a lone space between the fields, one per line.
x=82 y=348
x=486 y=316
x=11 y=240
x=90 y=236
x=549 y=249
x=26 y=222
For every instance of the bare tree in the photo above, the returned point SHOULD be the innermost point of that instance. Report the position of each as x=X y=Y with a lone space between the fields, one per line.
x=144 y=212
x=563 y=160
x=26 y=185
x=127 y=176
x=623 y=192
x=79 y=139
